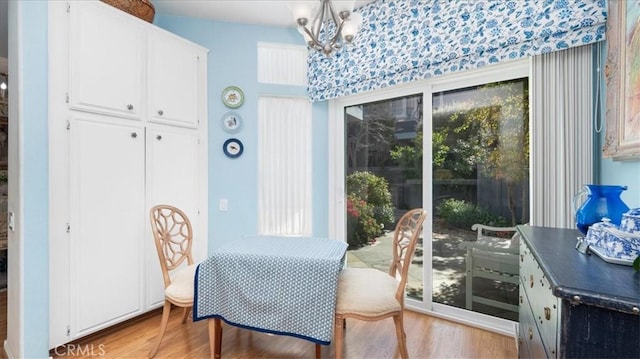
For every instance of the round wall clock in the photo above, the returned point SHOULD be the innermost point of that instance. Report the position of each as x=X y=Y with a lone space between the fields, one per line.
x=232 y=148
x=232 y=97
x=231 y=122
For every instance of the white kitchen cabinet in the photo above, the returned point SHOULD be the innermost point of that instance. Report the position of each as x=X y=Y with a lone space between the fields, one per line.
x=113 y=165
x=115 y=61
x=173 y=81
x=172 y=178
x=107 y=210
x=106 y=60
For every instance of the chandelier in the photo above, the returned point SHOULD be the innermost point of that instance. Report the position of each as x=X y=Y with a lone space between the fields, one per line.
x=325 y=26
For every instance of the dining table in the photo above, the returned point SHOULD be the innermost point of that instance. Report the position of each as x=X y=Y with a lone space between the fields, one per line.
x=283 y=285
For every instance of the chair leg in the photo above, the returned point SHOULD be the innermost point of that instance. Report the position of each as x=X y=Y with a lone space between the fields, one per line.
x=163 y=326
x=339 y=333
x=215 y=337
x=185 y=314
x=402 y=337
x=318 y=351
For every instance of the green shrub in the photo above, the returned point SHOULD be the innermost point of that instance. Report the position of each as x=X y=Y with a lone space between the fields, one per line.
x=462 y=214
x=375 y=191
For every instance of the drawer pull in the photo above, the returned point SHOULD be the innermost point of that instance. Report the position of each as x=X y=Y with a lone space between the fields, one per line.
x=531 y=280
x=530 y=334
x=576 y=299
x=547 y=313
x=520 y=299
x=521 y=258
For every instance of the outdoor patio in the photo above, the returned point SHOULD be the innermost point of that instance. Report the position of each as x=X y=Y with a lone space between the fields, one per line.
x=448 y=270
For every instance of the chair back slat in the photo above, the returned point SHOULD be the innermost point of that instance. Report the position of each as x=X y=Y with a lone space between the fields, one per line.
x=173 y=237
x=405 y=239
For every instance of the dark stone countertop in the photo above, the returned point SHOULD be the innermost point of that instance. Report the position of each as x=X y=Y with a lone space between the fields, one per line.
x=571 y=273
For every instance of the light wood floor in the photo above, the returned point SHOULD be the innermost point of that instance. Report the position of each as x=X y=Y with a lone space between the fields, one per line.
x=427 y=337
x=3 y=317
x=3 y=322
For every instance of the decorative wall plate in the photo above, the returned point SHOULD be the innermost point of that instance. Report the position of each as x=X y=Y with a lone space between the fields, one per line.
x=232 y=97
x=231 y=122
x=232 y=148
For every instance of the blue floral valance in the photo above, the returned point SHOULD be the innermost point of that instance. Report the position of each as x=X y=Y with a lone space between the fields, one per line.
x=407 y=40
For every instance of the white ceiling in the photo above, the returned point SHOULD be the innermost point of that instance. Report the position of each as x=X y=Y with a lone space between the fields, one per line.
x=262 y=12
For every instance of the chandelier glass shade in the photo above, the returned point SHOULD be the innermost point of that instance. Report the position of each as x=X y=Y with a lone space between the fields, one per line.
x=326 y=25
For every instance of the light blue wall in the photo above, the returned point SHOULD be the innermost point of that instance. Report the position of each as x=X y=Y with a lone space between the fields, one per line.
x=233 y=61
x=622 y=173
x=35 y=174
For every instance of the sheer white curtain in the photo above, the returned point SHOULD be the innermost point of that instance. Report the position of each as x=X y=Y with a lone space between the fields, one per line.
x=561 y=133
x=284 y=166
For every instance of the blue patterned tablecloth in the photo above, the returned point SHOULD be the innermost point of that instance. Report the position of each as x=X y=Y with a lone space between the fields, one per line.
x=280 y=285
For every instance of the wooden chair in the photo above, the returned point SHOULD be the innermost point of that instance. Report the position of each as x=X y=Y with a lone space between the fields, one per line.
x=493 y=257
x=371 y=295
x=173 y=236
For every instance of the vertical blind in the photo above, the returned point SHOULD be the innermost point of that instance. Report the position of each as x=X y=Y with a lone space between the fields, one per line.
x=562 y=134
x=284 y=166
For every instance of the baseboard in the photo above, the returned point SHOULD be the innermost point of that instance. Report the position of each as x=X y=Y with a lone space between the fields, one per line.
x=7 y=350
x=60 y=350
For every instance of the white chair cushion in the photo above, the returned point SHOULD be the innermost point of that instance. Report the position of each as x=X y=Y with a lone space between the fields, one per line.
x=182 y=282
x=366 y=291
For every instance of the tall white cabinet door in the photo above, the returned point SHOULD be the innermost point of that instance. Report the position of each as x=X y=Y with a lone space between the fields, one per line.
x=173 y=81
x=172 y=178
x=106 y=60
x=107 y=223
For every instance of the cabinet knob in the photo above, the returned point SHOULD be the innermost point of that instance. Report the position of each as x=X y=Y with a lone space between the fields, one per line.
x=134 y=135
x=129 y=107
x=158 y=137
x=160 y=112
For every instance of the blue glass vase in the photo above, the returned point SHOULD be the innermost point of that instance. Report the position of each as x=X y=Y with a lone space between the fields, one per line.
x=602 y=201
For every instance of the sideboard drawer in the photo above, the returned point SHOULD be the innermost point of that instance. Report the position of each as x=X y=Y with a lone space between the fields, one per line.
x=545 y=307
x=530 y=342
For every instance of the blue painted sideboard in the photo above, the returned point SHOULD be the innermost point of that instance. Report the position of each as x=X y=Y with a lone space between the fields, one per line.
x=574 y=305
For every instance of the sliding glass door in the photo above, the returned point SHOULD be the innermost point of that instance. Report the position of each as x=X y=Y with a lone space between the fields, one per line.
x=383 y=179
x=457 y=147
x=480 y=173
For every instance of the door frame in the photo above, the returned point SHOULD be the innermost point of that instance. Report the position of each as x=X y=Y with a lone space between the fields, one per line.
x=337 y=214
